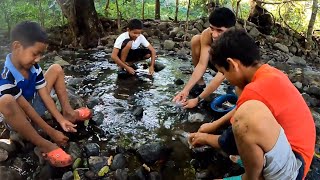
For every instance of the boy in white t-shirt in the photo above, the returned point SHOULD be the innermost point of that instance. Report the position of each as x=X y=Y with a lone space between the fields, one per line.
x=127 y=49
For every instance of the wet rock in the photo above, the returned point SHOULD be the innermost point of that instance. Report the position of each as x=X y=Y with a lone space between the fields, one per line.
x=154 y=176
x=314 y=90
x=67 y=176
x=91 y=175
x=121 y=174
x=163 y=26
x=174 y=32
x=295 y=60
x=92 y=149
x=152 y=152
x=293 y=49
x=7 y=173
x=97 y=162
x=138 y=111
x=193 y=31
x=139 y=174
x=93 y=101
x=3 y=155
x=158 y=66
x=19 y=164
x=7 y=145
x=206 y=24
x=75 y=82
x=60 y=61
x=202 y=175
x=186 y=69
x=74 y=150
x=198 y=26
x=168 y=45
x=311 y=102
x=119 y=162
x=98 y=117
x=281 y=47
x=298 y=85
x=316 y=118
x=179 y=82
x=254 y=32
x=197 y=117
x=100 y=47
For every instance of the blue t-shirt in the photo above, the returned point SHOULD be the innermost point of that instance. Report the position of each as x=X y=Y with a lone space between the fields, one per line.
x=12 y=81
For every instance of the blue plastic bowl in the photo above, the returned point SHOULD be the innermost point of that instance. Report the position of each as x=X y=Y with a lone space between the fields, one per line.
x=218 y=101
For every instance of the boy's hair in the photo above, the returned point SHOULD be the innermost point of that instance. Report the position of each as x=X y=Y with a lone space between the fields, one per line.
x=222 y=17
x=135 y=24
x=28 y=33
x=237 y=44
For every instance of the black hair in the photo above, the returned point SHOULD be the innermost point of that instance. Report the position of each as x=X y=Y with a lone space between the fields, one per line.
x=234 y=43
x=28 y=33
x=222 y=17
x=135 y=24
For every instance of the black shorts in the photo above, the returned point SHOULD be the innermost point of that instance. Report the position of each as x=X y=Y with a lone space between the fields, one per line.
x=134 y=54
x=227 y=142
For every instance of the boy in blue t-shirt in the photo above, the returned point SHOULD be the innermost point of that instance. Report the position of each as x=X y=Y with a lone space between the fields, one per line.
x=25 y=94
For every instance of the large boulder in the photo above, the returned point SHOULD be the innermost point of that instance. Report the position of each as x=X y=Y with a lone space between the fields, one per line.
x=281 y=47
x=168 y=45
x=150 y=153
x=296 y=60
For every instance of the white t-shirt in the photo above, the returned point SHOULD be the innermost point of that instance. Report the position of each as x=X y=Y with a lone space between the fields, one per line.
x=135 y=44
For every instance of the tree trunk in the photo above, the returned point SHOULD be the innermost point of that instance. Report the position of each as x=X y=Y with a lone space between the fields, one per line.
x=118 y=16
x=106 y=8
x=237 y=8
x=157 y=10
x=83 y=21
x=187 y=21
x=311 y=24
x=142 y=9
x=177 y=10
x=217 y=3
x=41 y=14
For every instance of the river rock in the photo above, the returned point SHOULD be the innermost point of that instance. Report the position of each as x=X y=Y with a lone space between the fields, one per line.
x=91 y=175
x=92 y=149
x=7 y=173
x=314 y=90
x=163 y=26
x=150 y=153
x=98 y=117
x=158 y=66
x=97 y=162
x=154 y=176
x=197 y=117
x=119 y=162
x=198 y=26
x=168 y=45
x=7 y=145
x=67 y=176
x=93 y=101
x=254 y=32
x=138 y=111
x=311 y=102
x=74 y=150
x=60 y=61
x=295 y=60
x=281 y=47
x=3 y=155
x=174 y=32
x=121 y=174
x=75 y=82
x=179 y=82
x=298 y=85
x=293 y=49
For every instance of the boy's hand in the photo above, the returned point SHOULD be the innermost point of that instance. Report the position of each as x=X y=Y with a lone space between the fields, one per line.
x=208 y=127
x=130 y=70
x=181 y=96
x=151 y=70
x=59 y=138
x=191 y=103
x=67 y=126
x=198 y=139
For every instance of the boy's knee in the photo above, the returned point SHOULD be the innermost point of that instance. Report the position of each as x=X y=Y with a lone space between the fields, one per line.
x=6 y=99
x=196 y=40
x=56 y=68
x=147 y=56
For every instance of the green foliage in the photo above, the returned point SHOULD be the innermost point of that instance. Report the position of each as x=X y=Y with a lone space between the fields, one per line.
x=48 y=13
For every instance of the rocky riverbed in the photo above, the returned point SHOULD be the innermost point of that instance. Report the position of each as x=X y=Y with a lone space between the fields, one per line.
x=136 y=131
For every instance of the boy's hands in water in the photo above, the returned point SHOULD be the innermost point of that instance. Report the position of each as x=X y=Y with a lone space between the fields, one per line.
x=181 y=97
x=130 y=70
x=151 y=70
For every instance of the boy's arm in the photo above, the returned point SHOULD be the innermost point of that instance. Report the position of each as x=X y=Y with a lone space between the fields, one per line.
x=34 y=116
x=117 y=60
x=153 y=59
x=51 y=106
x=201 y=67
x=213 y=85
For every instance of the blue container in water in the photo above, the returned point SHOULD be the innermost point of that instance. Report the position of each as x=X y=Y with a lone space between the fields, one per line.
x=216 y=104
